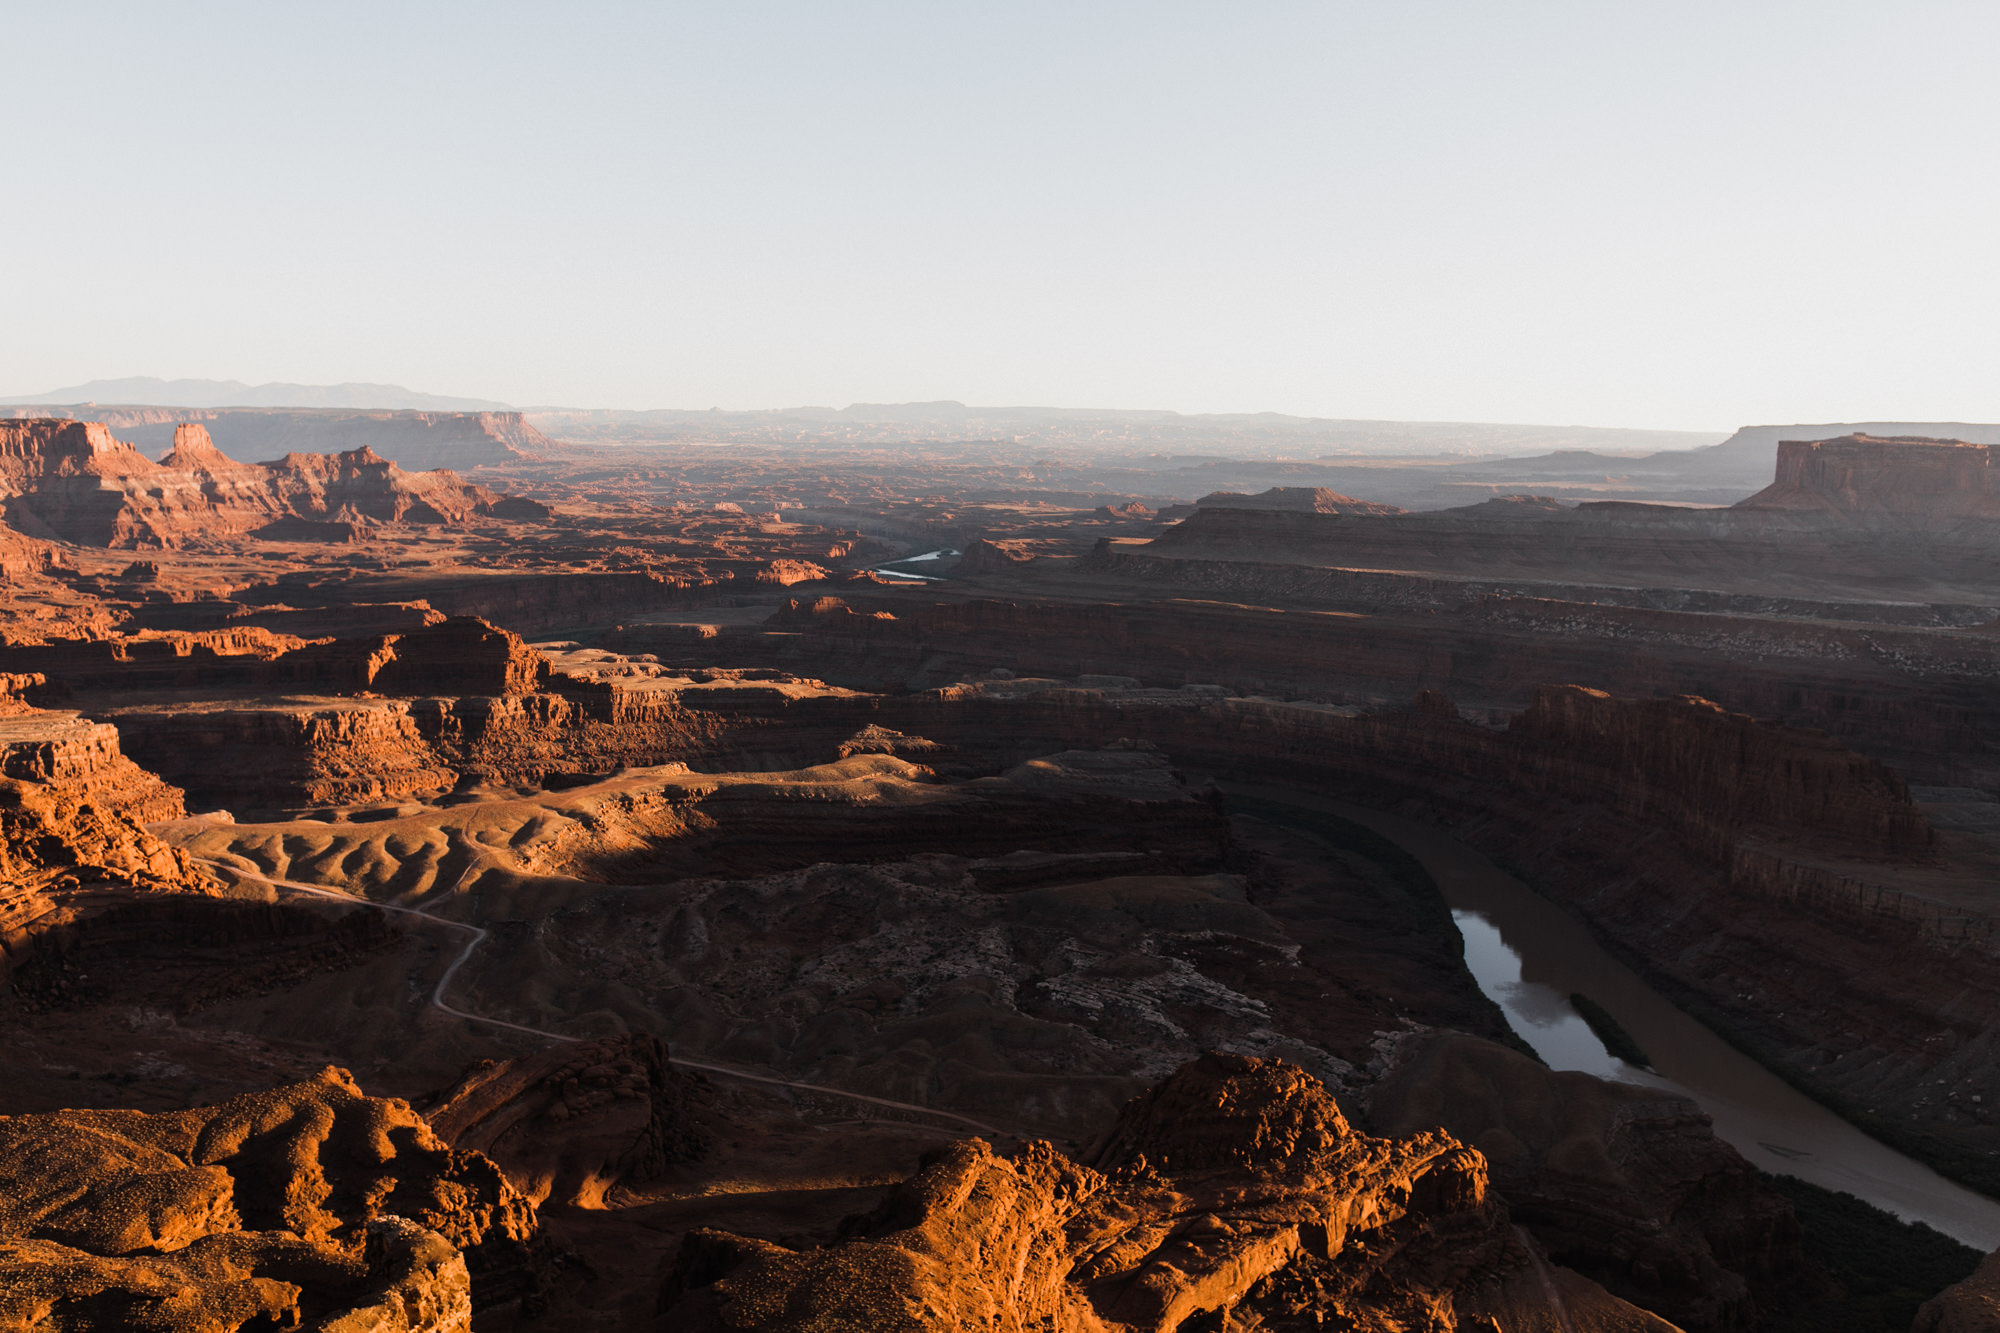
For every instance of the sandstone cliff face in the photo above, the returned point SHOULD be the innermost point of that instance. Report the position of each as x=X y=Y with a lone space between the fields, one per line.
x=458 y=655
x=83 y=759
x=74 y=481
x=990 y=557
x=71 y=809
x=1235 y=1193
x=309 y=1203
x=57 y=849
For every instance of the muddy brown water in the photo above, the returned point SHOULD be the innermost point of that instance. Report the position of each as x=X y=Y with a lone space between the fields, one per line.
x=1529 y=956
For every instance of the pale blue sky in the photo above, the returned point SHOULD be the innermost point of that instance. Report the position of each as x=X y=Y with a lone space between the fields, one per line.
x=1680 y=215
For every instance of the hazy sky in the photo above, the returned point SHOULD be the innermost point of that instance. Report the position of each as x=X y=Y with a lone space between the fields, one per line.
x=1609 y=212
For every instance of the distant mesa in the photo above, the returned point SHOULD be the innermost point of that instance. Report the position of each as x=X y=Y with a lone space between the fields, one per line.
x=1287 y=500
x=1905 y=475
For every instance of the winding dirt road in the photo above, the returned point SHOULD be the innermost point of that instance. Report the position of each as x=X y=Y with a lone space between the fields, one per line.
x=476 y=935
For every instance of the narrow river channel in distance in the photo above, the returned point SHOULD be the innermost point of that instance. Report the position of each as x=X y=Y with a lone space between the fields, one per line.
x=1529 y=956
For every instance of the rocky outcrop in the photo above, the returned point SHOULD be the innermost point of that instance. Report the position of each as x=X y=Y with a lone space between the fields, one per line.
x=1623 y=1183
x=74 y=481
x=23 y=557
x=289 y=752
x=985 y=556
x=72 y=847
x=578 y=1121
x=459 y=655
x=1235 y=1193
x=310 y=1203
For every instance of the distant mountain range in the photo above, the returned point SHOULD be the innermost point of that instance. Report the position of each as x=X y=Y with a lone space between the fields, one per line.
x=144 y=389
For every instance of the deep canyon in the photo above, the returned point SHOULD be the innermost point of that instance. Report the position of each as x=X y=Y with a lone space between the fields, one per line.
x=636 y=871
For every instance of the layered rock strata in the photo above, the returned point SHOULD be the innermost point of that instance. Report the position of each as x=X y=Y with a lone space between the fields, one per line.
x=83 y=759
x=1971 y=1306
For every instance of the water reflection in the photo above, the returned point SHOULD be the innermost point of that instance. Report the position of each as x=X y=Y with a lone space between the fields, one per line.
x=1540 y=1014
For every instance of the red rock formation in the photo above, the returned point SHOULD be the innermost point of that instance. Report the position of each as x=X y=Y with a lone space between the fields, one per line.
x=310 y=1203
x=1235 y=1193
x=414 y=439
x=461 y=655
x=58 y=852
x=784 y=573
x=23 y=557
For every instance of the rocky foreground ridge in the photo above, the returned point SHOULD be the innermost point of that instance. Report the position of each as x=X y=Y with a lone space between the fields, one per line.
x=310 y=1205
x=1232 y=1195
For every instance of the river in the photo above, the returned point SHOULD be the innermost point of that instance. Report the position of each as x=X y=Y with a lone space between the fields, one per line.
x=1530 y=956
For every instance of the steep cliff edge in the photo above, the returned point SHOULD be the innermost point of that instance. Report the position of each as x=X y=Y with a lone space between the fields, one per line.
x=310 y=1203
x=1233 y=1194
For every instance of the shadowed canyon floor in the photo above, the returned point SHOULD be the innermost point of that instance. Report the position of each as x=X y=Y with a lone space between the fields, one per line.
x=516 y=898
